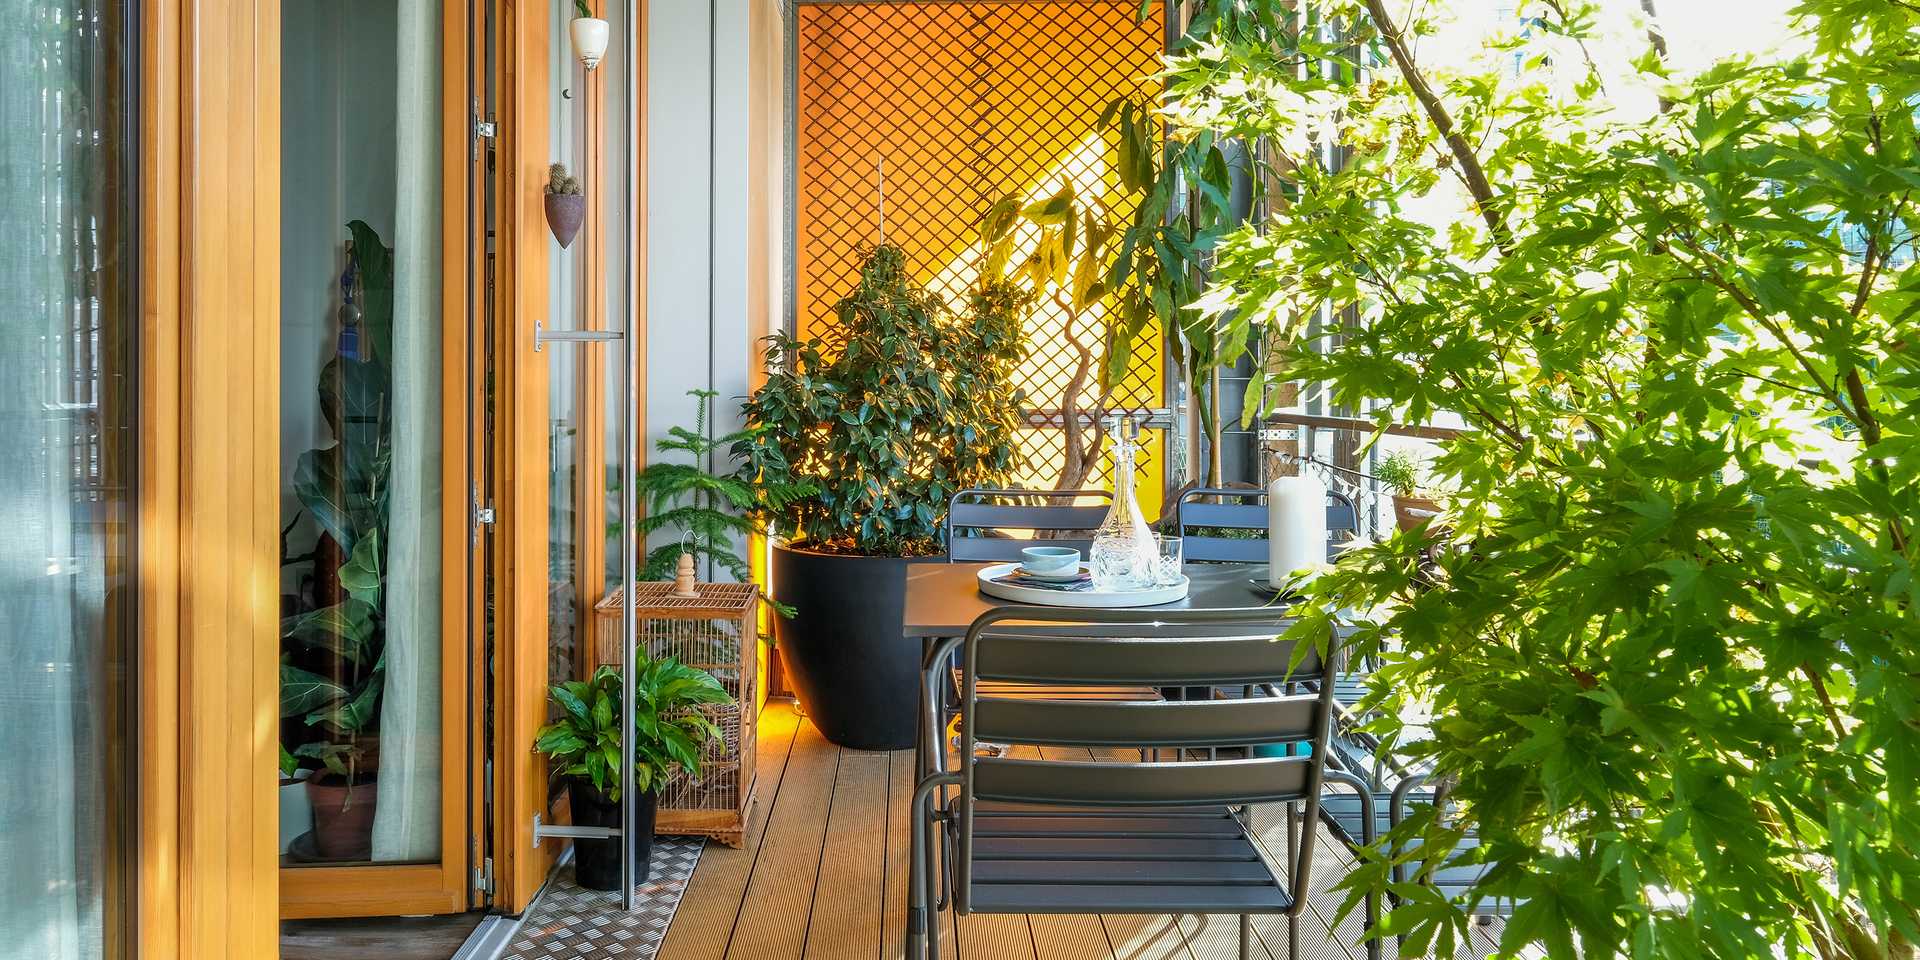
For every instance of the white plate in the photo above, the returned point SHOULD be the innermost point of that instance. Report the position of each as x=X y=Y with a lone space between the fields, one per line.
x=1067 y=574
x=1041 y=596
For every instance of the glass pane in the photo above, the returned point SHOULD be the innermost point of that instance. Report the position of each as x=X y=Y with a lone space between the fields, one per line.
x=67 y=325
x=360 y=458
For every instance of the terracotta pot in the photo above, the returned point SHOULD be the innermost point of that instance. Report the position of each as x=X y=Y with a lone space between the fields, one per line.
x=565 y=213
x=1410 y=512
x=596 y=863
x=342 y=817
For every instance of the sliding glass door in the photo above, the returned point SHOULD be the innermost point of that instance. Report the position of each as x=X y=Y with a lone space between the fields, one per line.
x=375 y=327
x=67 y=469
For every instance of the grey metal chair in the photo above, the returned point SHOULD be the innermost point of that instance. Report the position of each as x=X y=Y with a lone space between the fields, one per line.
x=1022 y=835
x=974 y=515
x=1245 y=510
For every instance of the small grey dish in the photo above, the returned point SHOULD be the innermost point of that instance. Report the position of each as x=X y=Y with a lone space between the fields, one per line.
x=1052 y=562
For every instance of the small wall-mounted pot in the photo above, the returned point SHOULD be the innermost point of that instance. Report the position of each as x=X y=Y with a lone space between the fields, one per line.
x=565 y=213
x=589 y=40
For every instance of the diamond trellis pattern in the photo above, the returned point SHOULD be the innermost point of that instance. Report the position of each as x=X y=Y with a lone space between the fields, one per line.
x=914 y=116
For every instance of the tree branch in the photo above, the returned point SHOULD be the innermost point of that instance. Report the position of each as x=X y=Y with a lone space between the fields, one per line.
x=1470 y=170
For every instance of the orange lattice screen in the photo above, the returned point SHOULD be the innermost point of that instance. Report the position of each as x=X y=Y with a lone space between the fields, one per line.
x=914 y=117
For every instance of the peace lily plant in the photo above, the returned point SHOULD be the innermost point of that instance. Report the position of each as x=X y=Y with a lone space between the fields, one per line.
x=1671 y=651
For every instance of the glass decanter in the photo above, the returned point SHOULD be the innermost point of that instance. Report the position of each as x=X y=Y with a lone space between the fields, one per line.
x=1124 y=556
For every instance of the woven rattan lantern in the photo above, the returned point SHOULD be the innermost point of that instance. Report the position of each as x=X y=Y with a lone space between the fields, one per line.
x=716 y=631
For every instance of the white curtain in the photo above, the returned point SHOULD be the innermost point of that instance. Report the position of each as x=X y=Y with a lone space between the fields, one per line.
x=52 y=549
x=406 y=823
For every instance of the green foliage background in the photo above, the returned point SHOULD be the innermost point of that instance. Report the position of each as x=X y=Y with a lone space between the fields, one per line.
x=1671 y=647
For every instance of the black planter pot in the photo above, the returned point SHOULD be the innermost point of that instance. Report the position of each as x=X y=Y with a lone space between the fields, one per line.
x=857 y=678
x=596 y=863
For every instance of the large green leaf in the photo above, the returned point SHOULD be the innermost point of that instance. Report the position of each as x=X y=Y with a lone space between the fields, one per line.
x=302 y=691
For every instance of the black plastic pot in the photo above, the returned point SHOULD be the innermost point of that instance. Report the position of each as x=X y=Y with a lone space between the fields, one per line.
x=855 y=675
x=596 y=863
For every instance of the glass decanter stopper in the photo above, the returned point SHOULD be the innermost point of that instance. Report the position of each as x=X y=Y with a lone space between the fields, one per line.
x=1124 y=556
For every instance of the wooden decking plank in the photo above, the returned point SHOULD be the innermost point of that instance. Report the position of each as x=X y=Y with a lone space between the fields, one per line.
x=893 y=926
x=705 y=920
x=849 y=897
x=1216 y=936
x=995 y=937
x=773 y=914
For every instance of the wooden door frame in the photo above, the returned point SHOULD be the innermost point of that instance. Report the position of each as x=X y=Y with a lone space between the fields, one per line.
x=520 y=451
x=520 y=485
x=208 y=554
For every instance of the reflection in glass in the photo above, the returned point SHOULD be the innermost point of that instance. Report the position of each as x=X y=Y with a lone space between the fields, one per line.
x=361 y=354
x=67 y=466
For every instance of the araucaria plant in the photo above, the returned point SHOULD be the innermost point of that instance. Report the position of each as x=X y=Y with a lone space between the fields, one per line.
x=710 y=511
x=1673 y=657
x=907 y=405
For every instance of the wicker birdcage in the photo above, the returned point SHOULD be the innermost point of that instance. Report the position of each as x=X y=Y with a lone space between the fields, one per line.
x=718 y=632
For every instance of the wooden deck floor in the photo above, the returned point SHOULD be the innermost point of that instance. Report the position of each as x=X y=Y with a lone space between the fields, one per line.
x=821 y=879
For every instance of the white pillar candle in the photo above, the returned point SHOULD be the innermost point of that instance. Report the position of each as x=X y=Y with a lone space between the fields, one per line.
x=1296 y=528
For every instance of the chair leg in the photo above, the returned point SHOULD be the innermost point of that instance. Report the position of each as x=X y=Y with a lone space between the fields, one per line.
x=1293 y=936
x=1246 y=937
x=919 y=918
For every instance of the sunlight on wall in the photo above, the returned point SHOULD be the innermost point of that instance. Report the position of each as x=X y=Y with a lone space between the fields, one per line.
x=913 y=118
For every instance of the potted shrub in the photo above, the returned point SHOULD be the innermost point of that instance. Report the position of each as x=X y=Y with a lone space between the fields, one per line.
x=1412 y=508
x=671 y=733
x=908 y=405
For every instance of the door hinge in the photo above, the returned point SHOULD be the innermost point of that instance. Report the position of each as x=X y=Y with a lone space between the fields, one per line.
x=483 y=516
x=483 y=877
x=482 y=129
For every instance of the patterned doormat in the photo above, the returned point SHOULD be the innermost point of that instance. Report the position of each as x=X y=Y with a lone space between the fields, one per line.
x=570 y=922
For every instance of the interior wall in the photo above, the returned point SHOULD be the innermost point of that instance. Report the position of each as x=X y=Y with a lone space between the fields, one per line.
x=338 y=63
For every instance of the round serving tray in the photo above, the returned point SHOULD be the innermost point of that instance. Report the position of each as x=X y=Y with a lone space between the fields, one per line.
x=1062 y=598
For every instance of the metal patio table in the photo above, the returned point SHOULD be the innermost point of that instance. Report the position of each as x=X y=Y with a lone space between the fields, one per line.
x=944 y=598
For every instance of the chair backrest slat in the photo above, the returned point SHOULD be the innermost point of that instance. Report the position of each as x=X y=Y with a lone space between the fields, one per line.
x=1123 y=723
x=1245 y=510
x=974 y=516
x=1224 y=549
x=1006 y=549
x=1257 y=780
x=1031 y=656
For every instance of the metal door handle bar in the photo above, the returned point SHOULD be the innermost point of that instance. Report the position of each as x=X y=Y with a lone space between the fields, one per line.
x=541 y=335
x=544 y=830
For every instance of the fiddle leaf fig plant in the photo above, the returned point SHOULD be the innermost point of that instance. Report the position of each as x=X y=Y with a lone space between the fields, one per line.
x=905 y=406
x=333 y=668
x=1669 y=652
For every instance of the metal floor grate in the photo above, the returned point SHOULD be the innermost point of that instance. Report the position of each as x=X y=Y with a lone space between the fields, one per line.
x=569 y=922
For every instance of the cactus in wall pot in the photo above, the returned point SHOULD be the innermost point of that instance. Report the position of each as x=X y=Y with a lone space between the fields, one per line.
x=566 y=204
